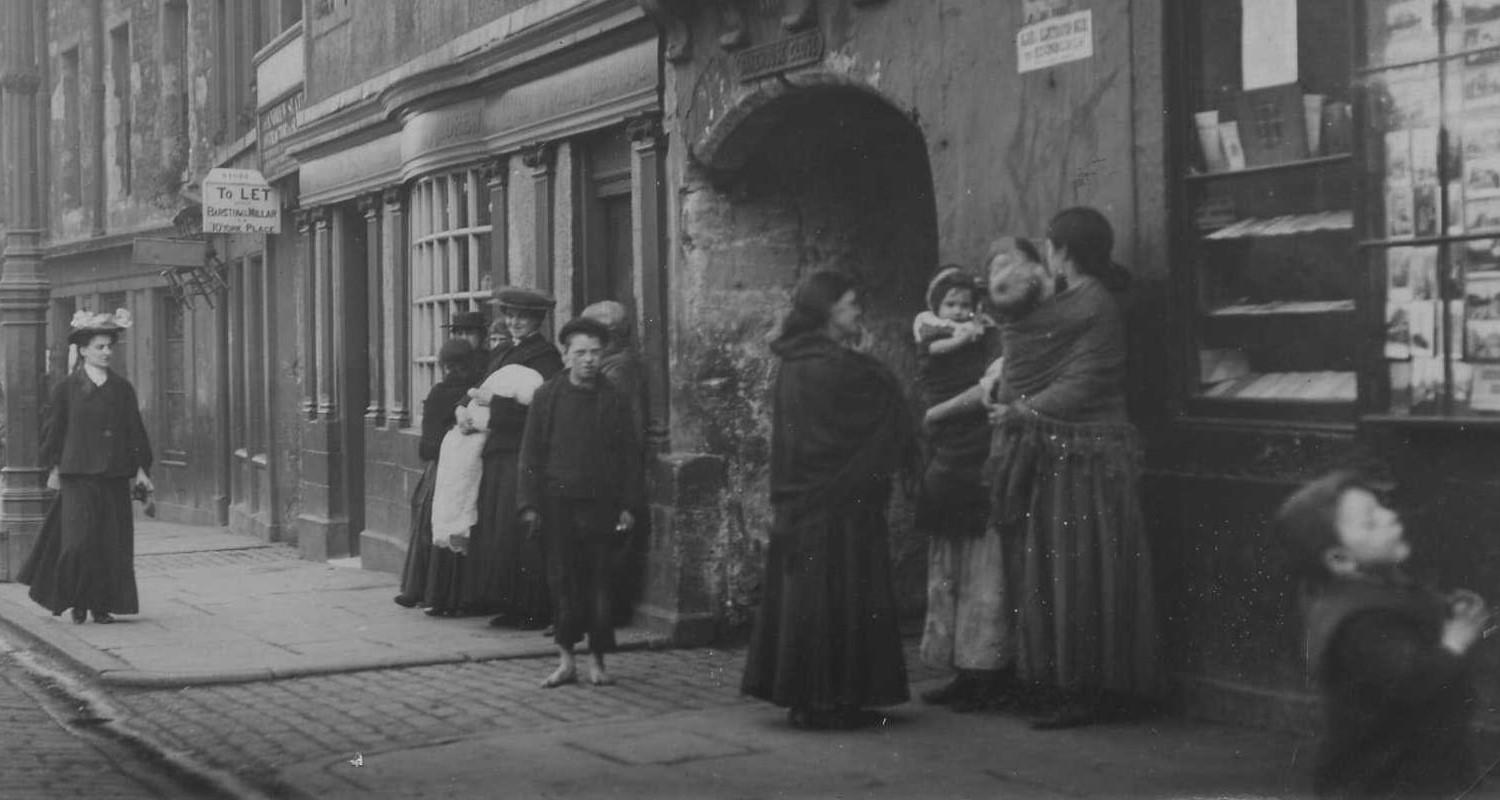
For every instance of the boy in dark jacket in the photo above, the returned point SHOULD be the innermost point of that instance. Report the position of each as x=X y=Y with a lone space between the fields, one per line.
x=580 y=474
x=1390 y=656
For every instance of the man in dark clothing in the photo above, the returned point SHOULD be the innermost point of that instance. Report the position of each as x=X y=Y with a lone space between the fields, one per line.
x=580 y=476
x=1390 y=655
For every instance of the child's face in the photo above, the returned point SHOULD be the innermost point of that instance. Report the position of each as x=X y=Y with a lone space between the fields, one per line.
x=582 y=356
x=957 y=305
x=1369 y=533
x=1016 y=286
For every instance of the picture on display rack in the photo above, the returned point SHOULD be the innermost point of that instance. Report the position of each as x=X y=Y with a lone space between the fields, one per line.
x=1400 y=212
x=1397 y=331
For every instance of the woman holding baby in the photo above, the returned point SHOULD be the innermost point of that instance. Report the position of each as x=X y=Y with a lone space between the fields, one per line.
x=1064 y=477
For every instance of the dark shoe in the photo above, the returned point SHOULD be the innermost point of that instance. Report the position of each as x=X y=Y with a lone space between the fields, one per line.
x=406 y=601
x=957 y=689
x=103 y=618
x=80 y=616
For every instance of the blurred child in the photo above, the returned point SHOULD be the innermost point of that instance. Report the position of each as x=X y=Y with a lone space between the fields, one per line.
x=428 y=577
x=1390 y=656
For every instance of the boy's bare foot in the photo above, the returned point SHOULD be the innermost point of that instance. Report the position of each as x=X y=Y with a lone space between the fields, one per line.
x=598 y=677
x=561 y=676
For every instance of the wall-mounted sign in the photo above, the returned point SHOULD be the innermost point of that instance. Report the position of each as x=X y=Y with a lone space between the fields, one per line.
x=780 y=56
x=279 y=120
x=1055 y=40
x=239 y=201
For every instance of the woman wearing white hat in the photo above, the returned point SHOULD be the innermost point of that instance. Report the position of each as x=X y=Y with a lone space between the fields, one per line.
x=95 y=446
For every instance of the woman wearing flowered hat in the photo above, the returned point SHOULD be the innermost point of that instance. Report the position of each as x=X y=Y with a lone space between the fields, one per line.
x=95 y=445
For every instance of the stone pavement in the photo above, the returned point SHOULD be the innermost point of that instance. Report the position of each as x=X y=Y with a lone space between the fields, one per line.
x=219 y=608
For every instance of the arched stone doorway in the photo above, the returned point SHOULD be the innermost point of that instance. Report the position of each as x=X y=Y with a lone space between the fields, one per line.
x=818 y=175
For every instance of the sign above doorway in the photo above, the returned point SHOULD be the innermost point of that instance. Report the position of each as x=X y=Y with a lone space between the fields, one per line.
x=779 y=56
x=239 y=201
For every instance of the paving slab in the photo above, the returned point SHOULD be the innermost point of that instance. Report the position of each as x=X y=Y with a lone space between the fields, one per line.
x=747 y=751
x=222 y=608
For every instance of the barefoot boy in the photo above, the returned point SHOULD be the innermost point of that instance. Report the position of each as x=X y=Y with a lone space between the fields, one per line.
x=1390 y=656
x=580 y=473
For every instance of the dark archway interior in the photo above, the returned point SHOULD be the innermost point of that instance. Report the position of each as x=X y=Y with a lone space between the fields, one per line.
x=838 y=179
x=830 y=178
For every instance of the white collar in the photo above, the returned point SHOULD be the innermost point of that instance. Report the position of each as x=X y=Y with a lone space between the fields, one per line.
x=96 y=374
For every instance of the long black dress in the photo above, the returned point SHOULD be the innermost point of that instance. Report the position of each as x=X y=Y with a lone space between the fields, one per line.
x=826 y=635
x=503 y=571
x=432 y=578
x=85 y=556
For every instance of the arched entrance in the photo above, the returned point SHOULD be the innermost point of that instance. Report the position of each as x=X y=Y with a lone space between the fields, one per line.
x=793 y=180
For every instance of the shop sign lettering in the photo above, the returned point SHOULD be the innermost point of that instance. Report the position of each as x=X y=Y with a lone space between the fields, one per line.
x=780 y=56
x=279 y=120
x=1056 y=40
x=239 y=201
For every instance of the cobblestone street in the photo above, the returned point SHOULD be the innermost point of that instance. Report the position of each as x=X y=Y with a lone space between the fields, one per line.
x=55 y=748
x=252 y=730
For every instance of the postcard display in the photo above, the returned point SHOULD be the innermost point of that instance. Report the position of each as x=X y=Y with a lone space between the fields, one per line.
x=1431 y=79
x=1305 y=251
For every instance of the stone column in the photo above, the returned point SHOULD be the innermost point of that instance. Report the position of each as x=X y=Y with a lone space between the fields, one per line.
x=322 y=267
x=370 y=207
x=398 y=386
x=648 y=145
x=307 y=313
x=23 y=289
x=497 y=177
x=542 y=159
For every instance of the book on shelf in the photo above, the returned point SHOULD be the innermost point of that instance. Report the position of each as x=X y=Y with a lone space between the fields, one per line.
x=1322 y=386
x=1287 y=225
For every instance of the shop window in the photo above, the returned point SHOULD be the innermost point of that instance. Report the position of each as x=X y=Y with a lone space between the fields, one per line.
x=172 y=355
x=1268 y=184
x=1430 y=77
x=449 y=266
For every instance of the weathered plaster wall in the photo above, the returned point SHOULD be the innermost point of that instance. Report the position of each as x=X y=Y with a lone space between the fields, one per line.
x=158 y=141
x=1005 y=151
x=355 y=40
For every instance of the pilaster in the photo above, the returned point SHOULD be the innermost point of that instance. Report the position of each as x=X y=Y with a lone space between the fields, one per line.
x=542 y=159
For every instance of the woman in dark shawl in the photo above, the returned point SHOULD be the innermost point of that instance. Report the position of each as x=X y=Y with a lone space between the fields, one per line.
x=430 y=576
x=826 y=643
x=506 y=571
x=94 y=444
x=1064 y=472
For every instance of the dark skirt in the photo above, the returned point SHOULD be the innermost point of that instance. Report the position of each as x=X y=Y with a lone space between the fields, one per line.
x=826 y=634
x=419 y=545
x=85 y=556
x=505 y=572
x=1078 y=579
x=432 y=575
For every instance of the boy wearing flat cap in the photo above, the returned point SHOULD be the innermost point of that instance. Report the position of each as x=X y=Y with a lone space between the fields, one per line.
x=580 y=476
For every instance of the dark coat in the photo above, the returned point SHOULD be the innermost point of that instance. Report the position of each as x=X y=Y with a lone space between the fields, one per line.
x=508 y=417
x=614 y=477
x=439 y=414
x=1397 y=703
x=94 y=430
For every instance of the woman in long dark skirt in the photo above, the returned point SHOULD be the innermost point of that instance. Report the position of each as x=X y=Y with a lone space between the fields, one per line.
x=431 y=578
x=826 y=644
x=505 y=570
x=95 y=445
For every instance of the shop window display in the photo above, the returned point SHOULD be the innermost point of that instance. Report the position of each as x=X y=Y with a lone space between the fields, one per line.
x=1349 y=264
x=1269 y=191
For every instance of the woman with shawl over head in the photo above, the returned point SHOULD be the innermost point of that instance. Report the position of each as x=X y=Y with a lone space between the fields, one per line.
x=430 y=575
x=826 y=644
x=1064 y=473
x=94 y=444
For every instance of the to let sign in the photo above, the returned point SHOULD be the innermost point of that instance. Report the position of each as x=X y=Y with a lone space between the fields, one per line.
x=239 y=201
